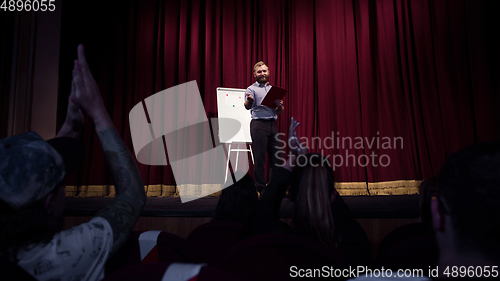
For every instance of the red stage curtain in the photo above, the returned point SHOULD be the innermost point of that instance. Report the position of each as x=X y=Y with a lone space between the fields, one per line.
x=415 y=80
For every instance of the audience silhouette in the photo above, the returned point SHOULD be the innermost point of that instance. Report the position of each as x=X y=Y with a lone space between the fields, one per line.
x=460 y=212
x=320 y=213
x=32 y=192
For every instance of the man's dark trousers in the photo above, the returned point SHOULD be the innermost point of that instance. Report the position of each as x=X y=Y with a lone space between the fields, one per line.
x=264 y=139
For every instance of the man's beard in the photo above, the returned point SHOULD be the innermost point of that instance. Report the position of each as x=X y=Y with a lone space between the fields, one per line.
x=263 y=80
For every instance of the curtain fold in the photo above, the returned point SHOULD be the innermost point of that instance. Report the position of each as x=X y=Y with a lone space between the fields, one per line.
x=386 y=90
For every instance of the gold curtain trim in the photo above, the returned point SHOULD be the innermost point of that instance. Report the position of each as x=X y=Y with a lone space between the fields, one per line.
x=400 y=187
x=194 y=190
x=161 y=190
x=351 y=188
x=153 y=190
x=88 y=191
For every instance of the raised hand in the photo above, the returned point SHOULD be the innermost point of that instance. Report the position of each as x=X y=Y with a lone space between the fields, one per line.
x=293 y=126
x=87 y=92
x=123 y=212
x=73 y=123
x=296 y=146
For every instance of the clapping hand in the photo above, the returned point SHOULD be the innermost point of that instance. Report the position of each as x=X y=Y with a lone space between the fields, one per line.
x=87 y=92
x=74 y=117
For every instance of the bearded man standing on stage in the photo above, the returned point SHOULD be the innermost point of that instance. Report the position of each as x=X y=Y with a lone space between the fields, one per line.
x=263 y=125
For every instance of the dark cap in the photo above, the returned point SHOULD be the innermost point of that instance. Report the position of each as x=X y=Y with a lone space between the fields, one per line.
x=30 y=167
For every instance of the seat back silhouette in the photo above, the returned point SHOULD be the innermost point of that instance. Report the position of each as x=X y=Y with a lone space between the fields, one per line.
x=158 y=246
x=408 y=247
x=184 y=272
x=271 y=256
x=214 y=239
x=404 y=232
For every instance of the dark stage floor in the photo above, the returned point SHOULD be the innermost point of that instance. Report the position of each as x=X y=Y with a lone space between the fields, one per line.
x=383 y=206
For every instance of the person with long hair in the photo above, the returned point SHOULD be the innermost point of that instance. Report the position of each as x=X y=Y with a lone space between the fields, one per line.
x=312 y=190
x=238 y=202
x=320 y=213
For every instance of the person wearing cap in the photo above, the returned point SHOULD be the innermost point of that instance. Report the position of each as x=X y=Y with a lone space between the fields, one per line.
x=32 y=192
